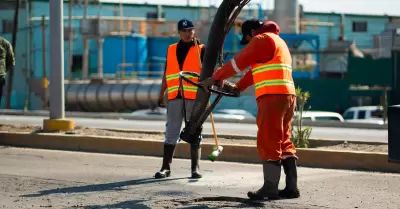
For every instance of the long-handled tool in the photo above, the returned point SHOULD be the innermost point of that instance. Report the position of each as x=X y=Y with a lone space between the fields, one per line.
x=217 y=149
x=224 y=17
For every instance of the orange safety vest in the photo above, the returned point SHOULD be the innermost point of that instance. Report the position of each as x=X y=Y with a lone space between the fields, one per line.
x=191 y=63
x=274 y=76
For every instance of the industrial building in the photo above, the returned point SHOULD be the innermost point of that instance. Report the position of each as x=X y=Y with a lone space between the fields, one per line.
x=128 y=43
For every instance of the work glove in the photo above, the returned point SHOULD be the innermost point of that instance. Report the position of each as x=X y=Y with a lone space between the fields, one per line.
x=230 y=87
x=207 y=83
x=225 y=85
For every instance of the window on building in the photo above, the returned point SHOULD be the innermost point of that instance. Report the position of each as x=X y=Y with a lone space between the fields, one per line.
x=154 y=15
x=359 y=26
x=8 y=26
x=77 y=63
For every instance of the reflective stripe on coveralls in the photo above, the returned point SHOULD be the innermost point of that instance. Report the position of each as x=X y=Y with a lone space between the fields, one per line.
x=191 y=64
x=276 y=100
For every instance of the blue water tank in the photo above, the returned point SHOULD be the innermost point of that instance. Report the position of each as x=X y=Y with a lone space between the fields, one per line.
x=157 y=52
x=135 y=55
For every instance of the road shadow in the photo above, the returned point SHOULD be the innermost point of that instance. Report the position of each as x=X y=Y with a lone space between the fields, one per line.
x=115 y=186
x=216 y=202
x=193 y=180
x=126 y=204
x=220 y=201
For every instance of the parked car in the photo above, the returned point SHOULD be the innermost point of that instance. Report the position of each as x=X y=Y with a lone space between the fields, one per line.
x=157 y=111
x=364 y=114
x=237 y=114
x=320 y=115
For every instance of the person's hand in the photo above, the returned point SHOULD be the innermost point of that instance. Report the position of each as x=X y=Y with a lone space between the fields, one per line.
x=230 y=87
x=207 y=83
x=161 y=102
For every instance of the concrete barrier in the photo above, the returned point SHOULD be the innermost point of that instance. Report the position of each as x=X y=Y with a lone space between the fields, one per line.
x=234 y=153
x=312 y=142
x=128 y=116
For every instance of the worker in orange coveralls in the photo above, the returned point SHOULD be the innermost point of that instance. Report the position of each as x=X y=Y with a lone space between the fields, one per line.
x=271 y=73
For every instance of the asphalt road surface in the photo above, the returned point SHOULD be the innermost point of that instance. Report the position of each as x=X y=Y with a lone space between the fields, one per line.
x=222 y=128
x=35 y=178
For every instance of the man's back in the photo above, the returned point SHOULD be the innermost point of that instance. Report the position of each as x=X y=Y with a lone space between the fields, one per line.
x=7 y=59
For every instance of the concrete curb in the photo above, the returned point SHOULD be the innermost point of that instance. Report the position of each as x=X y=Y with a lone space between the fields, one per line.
x=313 y=142
x=128 y=116
x=233 y=153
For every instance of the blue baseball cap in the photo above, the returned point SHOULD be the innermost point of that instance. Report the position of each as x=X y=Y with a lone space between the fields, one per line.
x=185 y=24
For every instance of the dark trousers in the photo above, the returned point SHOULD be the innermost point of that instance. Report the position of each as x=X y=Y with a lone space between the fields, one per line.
x=2 y=84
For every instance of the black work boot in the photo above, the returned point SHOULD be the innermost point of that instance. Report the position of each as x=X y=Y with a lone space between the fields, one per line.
x=195 y=155
x=165 y=171
x=290 y=168
x=272 y=174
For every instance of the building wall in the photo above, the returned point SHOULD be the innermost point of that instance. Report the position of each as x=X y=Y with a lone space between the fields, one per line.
x=375 y=25
x=325 y=32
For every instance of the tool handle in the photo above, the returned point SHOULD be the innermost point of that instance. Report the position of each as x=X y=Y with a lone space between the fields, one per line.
x=197 y=50
x=213 y=127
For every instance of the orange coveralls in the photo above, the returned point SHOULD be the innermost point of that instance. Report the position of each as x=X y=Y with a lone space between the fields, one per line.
x=270 y=61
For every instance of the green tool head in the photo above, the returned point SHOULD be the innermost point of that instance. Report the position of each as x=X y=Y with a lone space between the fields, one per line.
x=211 y=157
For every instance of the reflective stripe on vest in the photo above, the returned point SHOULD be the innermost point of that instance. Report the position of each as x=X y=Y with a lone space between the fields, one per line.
x=191 y=64
x=274 y=76
x=186 y=87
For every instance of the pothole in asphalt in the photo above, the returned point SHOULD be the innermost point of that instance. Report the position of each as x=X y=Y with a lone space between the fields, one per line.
x=229 y=202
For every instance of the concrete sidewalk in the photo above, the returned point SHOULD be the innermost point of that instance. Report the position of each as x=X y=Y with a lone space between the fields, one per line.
x=34 y=178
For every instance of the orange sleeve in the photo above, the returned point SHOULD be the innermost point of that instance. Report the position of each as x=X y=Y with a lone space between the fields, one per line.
x=245 y=81
x=260 y=49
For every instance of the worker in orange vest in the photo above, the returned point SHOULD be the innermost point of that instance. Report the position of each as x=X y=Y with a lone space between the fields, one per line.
x=181 y=56
x=271 y=73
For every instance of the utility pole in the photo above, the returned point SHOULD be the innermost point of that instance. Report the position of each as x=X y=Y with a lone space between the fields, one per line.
x=57 y=110
x=121 y=27
x=85 y=61
x=44 y=76
x=70 y=40
x=14 y=45
x=100 y=43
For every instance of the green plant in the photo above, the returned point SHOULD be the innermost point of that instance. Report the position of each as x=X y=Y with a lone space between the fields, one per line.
x=300 y=134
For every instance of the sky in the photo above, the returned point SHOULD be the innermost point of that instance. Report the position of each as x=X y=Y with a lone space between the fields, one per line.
x=376 y=7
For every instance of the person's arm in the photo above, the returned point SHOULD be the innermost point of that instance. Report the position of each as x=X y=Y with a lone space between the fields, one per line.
x=10 y=58
x=245 y=81
x=260 y=50
x=163 y=87
x=164 y=80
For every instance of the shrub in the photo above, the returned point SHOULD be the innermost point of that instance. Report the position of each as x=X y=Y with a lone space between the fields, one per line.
x=300 y=134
